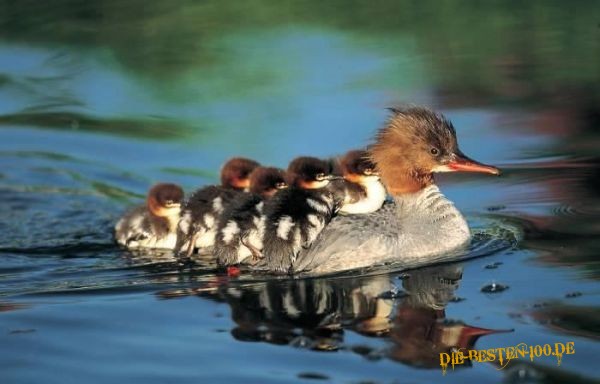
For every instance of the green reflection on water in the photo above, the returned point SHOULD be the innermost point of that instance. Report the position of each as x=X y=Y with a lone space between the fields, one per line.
x=226 y=70
x=151 y=129
x=464 y=41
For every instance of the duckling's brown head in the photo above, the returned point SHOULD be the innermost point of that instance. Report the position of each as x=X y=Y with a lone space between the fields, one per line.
x=164 y=199
x=266 y=181
x=357 y=166
x=309 y=173
x=415 y=143
x=235 y=173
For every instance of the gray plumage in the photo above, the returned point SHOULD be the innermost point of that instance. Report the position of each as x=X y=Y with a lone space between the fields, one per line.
x=414 y=229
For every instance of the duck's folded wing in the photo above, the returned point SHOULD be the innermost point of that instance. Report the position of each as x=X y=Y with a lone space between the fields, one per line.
x=344 y=245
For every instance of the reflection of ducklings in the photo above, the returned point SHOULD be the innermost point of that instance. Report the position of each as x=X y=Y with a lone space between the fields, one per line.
x=242 y=225
x=296 y=216
x=154 y=224
x=200 y=214
x=363 y=190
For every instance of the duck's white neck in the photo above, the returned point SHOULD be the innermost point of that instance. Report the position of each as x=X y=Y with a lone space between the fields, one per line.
x=430 y=222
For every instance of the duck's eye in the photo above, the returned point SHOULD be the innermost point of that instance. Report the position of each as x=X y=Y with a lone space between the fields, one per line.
x=281 y=185
x=434 y=151
x=169 y=202
x=369 y=171
x=320 y=176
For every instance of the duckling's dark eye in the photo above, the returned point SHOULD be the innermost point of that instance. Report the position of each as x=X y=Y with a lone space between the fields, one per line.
x=168 y=202
x=320 y=176
x=434 y=151
x=368 y=171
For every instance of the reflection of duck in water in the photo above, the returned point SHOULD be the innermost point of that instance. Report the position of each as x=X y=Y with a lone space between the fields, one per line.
x=314 y=313
x=420 y=329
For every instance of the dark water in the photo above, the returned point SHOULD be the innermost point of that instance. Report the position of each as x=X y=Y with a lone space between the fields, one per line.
x=98 y=100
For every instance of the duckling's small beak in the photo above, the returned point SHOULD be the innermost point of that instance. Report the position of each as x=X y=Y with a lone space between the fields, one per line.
x=461 y=163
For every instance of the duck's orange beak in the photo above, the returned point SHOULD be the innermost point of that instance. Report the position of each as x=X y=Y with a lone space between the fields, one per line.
x=469 y=334
x=461 y=163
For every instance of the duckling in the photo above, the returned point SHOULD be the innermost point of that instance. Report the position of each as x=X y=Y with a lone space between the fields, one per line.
x=242 y=225
x=154 y=224
x=235 y=173
x=200 y=214
x=363 y=190
x=294 y=217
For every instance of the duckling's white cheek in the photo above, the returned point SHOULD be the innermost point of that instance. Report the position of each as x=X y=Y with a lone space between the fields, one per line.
x=173 y=211
x=283 y=228
x=320 y=184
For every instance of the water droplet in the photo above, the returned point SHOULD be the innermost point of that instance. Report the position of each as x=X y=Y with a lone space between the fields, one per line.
x=312 y=376
x=494 y=265
x=523 y=374
x=494 y=288
x=457 y=299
